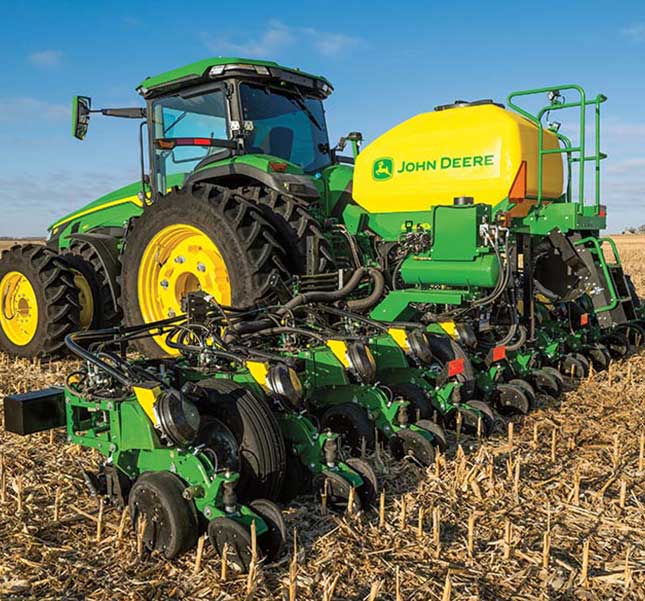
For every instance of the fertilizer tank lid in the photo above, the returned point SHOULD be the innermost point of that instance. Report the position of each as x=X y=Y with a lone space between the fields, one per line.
x=464 y=103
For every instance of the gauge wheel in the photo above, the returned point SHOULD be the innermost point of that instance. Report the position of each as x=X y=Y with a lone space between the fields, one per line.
x=262 y=455
x=170 y=522
x=39 y=303
x=199 y=238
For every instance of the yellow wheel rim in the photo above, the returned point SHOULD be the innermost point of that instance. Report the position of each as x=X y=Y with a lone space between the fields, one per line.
x=85 y=299
x=179 y=259
x=18 y=308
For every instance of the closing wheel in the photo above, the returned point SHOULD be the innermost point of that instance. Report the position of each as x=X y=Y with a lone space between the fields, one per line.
x=599 y=356
x=170 y=522
x=419 y=406
x=511 y=400
x=338 y=490
x=38 y=301
x=617 y=344
x=262 y=455
x=439 y=434
x=235 y=537
x=201 y=237
x=548 y=380
x=526 y=387
x=353 y=424
x=273 y=540
x=476 y=414
x=634 y=332
x=412 y=445
x=369 y=492
x=575 y=366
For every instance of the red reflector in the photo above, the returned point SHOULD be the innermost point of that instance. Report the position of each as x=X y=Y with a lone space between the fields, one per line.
x=584 y=319
x=277 y=167
x=602 y=211
x=455 y=367
x=499 y=353
x=201 y=141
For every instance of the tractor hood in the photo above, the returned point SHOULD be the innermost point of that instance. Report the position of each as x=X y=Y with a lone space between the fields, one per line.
x=109 y=211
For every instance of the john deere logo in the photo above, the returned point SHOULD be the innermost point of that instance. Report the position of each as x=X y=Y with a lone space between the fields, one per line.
x=383 y=168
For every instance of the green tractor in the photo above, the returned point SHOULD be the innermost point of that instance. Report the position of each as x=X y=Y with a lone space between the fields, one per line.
x=457 y=218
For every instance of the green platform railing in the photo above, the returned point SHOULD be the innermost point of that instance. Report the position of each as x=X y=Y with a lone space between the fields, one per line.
x=575 y=154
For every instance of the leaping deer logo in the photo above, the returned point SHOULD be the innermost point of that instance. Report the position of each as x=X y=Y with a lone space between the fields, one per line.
x=382 y=168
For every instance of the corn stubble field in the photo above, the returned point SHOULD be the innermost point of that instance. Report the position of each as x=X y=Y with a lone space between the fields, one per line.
x=552 y=507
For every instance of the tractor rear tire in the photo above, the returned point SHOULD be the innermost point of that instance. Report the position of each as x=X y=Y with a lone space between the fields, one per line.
x=296 y=227
x=262 y=453
x=38 y=302
x=98 y=311
x=194 y=238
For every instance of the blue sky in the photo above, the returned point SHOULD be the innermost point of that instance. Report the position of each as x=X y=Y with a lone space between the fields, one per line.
x=387 y=60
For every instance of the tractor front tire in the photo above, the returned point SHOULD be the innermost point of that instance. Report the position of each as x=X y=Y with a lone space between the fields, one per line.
x=38 y=302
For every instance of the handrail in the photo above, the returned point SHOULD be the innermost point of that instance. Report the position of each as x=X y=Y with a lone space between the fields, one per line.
x=568 y=148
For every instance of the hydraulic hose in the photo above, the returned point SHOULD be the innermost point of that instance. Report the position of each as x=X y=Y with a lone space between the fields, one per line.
x=363 y=304
x=306 y=298
x=325 y=297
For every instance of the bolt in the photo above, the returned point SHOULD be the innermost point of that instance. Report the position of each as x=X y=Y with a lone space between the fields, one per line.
x=201 y=267
x=164 y=284
x=171 y=313
x=208 y=511
x=179 y=259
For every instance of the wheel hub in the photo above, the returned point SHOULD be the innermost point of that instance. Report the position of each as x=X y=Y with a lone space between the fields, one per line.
x=179 y=259
x=19 y=308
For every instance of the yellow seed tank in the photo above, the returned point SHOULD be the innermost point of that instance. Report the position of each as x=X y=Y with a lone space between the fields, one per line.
x=472 y=150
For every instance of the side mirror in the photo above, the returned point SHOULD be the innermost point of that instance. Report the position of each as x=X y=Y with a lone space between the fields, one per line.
x=81 y=107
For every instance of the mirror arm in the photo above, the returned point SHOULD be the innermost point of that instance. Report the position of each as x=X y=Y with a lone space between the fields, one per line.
x=127 y=113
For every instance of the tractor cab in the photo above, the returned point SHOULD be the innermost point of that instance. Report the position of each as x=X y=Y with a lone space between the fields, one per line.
x=205 y=115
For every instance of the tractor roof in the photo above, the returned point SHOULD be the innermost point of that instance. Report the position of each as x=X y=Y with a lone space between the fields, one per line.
x=218 y=67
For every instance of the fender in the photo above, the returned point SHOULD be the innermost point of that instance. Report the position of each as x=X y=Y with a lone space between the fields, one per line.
x=237 y=173
x=107 y=249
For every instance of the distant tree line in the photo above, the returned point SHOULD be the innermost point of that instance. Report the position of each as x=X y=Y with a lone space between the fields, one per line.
x=635 y=230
